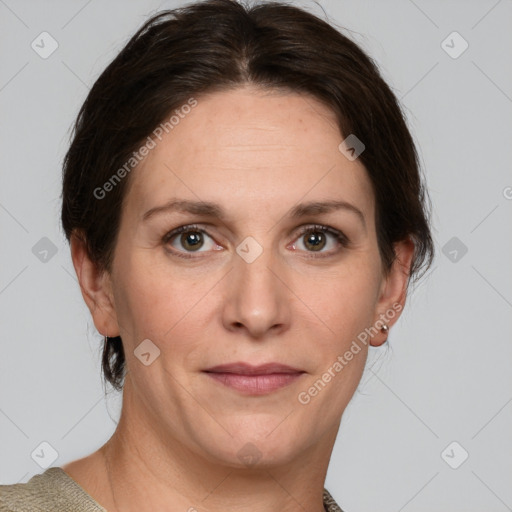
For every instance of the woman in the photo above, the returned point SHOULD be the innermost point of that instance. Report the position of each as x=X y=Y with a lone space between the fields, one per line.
x=245 y=213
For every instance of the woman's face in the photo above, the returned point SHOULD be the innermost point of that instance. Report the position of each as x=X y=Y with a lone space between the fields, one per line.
x=244 y=283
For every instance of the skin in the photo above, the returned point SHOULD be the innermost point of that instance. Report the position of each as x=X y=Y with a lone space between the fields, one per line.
x=257 y=154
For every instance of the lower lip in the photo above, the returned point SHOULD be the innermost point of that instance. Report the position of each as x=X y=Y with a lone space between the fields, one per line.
x=255 y=384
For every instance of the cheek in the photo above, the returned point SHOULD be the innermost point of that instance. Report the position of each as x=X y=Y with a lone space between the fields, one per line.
x=154 y=300
x=345 y=301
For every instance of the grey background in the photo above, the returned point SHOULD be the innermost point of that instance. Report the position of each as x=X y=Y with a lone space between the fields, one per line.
x=445 y=375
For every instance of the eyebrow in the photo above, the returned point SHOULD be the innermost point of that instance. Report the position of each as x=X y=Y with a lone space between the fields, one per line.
x=214 y=210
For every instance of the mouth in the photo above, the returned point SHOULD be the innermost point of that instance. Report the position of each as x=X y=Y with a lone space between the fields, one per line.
x=254 y=380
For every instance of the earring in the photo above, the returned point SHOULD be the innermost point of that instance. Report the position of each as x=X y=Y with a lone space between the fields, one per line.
x=384 y=329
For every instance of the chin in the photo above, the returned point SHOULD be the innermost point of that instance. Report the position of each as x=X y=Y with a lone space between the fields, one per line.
x=253 y=450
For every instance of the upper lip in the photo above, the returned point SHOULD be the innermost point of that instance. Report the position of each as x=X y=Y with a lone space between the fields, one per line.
x=248 y=369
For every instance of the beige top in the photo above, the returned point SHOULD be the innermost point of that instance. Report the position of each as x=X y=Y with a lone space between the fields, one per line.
x=55 y=491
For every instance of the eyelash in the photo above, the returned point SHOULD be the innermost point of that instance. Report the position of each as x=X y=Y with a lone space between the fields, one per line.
x=338 y=235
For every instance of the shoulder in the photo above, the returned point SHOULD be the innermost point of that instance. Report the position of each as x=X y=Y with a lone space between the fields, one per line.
x=330 y=504
x=50 y=491
x=54 y=490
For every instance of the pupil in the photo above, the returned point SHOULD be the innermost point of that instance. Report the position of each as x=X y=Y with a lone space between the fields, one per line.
x=192 y=240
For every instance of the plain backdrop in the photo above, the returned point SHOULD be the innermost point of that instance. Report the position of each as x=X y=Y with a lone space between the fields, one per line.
x=430 y=426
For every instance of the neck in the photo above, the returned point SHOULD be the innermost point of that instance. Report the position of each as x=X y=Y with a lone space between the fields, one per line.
x=149 y=469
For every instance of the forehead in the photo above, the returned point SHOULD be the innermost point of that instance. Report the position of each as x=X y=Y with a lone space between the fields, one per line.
x=251 y=145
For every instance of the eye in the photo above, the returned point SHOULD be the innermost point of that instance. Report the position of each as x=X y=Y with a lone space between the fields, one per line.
x=189 y=239
x=317 y=238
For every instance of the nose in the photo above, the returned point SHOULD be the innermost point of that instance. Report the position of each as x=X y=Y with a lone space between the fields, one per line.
x=257 y=299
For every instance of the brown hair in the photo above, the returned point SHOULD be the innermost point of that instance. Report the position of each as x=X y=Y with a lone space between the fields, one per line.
x=218 y=45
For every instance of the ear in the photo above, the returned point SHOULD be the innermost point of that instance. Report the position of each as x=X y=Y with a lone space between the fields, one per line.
x=96 y=288
x=393 y=290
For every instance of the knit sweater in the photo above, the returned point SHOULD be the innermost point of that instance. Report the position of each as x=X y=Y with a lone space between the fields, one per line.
x=55 y=491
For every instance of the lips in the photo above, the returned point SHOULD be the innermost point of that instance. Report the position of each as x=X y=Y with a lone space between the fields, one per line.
x=254 y=380
x=248 y=369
